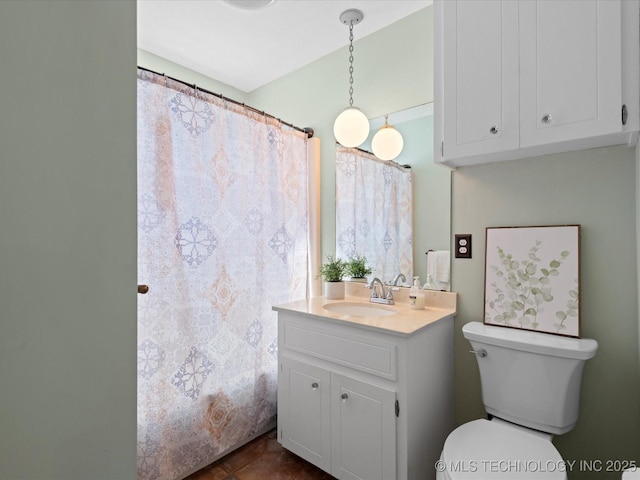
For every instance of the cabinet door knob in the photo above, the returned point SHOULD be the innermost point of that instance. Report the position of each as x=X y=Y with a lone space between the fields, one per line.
x=546 y=118
x=314 y=385
x=344 y=397
x=493 y=130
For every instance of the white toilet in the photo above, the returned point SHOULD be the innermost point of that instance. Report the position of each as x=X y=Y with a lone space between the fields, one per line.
x=531 y=389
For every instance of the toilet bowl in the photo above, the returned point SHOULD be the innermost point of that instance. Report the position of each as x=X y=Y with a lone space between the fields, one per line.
x=495 y=449
x=531 y=390
x=631 y=474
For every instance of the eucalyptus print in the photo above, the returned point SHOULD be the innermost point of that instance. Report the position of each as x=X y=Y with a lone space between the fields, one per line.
x=528 y=287
x=531 y=282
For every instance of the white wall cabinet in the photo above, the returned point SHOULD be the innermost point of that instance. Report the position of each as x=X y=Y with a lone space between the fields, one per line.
x=523 y=78
x=364 y=403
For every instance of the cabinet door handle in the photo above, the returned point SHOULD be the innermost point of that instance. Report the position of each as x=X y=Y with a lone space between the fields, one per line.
x=314 y=385
x=546 y=118
x=344 y=397
x=493 y=130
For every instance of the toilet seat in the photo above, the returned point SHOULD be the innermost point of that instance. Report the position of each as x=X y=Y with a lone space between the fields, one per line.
x=486 y=450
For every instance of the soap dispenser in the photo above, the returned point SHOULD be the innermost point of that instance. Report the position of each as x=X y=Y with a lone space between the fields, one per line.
x=416 y=297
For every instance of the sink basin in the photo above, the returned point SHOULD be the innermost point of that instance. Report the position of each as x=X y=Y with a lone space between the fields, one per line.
x=361 y=309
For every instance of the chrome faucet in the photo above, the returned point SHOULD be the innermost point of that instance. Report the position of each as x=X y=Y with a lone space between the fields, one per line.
x=398 y=277
x=385 y=296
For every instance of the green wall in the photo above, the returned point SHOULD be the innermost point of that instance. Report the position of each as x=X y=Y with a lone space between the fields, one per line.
x=67 y=240
x=596 y=189
x=393 y=70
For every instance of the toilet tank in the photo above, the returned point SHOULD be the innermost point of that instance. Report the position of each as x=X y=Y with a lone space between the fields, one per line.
x=530 y=378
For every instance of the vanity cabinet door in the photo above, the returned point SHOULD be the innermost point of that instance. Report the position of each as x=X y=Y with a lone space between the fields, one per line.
x=570 y=70
x=304 y=411
x=363 y=430
x=478 y=78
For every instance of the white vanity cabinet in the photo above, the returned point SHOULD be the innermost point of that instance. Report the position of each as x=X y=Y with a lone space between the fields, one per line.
x=523 y=78
x=363 y=402
x=340 y=424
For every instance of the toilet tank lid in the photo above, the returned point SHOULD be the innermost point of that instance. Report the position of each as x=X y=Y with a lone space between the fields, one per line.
x=529 y=341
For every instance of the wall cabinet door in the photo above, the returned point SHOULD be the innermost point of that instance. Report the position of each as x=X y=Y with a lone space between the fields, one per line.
x=480 y=75
x=517 y=79
x=363 y=430
x=570 y=70
x=304 y=411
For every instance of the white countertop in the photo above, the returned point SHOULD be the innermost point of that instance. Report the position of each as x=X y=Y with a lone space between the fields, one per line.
x=405 y=321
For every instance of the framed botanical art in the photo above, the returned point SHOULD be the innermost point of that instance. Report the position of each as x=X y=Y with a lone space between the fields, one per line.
x=532 y=278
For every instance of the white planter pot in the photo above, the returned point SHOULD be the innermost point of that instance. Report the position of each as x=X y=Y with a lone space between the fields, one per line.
x=334 y=290
x=358 y=279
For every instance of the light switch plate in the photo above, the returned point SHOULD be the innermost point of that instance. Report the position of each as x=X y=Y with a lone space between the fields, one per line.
x=463 y=245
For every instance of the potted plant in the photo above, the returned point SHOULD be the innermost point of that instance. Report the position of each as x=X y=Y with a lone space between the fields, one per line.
x=357 y=268
x=332 y=271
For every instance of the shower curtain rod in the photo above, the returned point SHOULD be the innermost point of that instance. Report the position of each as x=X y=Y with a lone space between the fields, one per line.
x=307 y=130
x=388 y=162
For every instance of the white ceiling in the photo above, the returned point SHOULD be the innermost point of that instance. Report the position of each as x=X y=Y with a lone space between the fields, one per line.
x=250 y=48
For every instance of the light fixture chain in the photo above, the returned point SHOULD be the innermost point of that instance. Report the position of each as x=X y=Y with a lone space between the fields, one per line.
x=351 y=64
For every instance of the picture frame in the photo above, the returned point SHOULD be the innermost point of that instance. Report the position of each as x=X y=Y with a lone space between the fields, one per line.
x=532 y=278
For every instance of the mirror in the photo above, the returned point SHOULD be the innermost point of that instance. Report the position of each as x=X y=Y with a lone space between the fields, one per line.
x=431 y=186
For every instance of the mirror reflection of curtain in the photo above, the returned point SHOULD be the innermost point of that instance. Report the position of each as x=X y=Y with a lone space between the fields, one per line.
x=374 y=212
x=222 y=236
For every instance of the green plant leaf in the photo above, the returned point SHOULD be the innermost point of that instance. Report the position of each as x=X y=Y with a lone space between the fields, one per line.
x=518 y=305
x=356 y=267
x=333 y=270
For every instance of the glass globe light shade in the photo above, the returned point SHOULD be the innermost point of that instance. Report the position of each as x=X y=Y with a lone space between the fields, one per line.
x=387 y=143
x=351 y=127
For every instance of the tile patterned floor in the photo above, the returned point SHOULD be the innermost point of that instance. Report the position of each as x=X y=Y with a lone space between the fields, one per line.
x=261 y=459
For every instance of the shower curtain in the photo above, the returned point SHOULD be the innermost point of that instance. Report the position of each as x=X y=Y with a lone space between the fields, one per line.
x=374 y=212
x=222 y=236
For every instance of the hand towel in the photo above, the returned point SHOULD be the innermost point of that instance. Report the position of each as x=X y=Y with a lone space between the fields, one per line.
x=438 y=264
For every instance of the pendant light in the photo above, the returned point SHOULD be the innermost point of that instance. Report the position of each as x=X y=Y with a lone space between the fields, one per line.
x=351 y=127
x=387 y=143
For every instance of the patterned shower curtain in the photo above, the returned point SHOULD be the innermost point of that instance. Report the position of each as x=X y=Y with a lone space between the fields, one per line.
x=222 y=236
x=374 y=212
